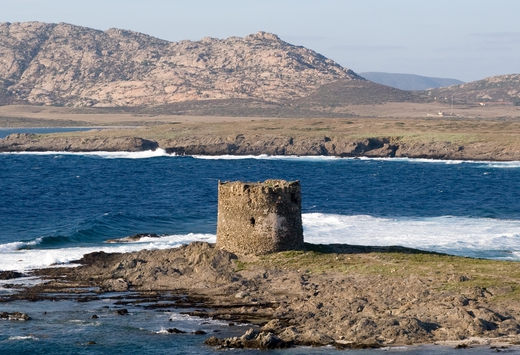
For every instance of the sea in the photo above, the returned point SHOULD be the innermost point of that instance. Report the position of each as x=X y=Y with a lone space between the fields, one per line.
x=57 y=206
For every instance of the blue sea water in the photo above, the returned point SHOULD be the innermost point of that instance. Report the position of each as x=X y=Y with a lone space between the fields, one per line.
x=55 y=207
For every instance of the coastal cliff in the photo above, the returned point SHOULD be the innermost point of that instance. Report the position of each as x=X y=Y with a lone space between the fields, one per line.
x=256 y=144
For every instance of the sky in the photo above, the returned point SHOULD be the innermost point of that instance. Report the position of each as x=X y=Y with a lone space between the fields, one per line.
x=460 y=39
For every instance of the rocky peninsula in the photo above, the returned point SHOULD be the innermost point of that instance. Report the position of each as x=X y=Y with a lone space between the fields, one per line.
x=356 y=137
x=341 y=295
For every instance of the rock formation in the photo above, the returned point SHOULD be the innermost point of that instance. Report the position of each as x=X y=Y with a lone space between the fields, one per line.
x=341 y=295
x=63 y=64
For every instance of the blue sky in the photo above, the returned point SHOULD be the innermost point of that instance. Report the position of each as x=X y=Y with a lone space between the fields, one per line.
x=461 y=39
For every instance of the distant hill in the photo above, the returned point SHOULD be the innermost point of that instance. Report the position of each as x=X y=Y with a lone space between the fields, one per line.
x=408 y=81
x=350 y=92
x=64 y=64
x=501 y=89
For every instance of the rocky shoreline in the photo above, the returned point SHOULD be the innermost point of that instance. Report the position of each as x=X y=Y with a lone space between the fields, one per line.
x=380 y=147
x=339 y=295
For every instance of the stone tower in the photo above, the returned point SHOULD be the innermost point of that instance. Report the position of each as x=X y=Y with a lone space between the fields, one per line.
x=259 y=218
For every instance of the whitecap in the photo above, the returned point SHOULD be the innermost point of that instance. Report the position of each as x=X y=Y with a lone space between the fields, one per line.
x=23 y=337
x=107 y=155
x=475 y=237
x=27 y=259
x=194 y=320
x=503 y=165
x=268 y=157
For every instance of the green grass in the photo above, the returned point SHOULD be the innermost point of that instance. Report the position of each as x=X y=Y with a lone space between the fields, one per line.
x=444 y=272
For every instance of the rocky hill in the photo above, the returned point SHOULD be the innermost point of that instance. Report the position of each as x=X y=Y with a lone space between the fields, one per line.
x=501 y=89
x=409 y=81
x=356 y=92
x=67 y=65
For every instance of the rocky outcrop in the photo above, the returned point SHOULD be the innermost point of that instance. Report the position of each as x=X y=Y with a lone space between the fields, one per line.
x=17 y=316
x=328 y=306
x=386 y=147
x=197 y=265
x=10 y=274
x=63 y=64
x=20 y=142
x=251 y=339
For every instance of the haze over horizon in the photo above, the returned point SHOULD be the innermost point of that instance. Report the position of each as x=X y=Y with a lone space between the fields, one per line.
x=463 y=39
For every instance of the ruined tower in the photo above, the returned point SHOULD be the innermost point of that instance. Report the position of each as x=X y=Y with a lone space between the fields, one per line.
x=259 y=217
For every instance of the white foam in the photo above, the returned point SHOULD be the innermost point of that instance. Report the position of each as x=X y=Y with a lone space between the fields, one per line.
x=477 y=237
x=27 y=259
x=480 y=163
x=18 y=283
x=416 y=160
x=108 y=155
x=194 y=320
x=267 y=157
x=317 y=158
x=188 y=323
x=22 y=337
x=162 y=153
x=9 y=247
x=503 y=165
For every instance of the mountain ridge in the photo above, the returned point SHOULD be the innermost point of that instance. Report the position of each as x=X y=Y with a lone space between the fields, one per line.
x=259 y=74
x=499 y=89
x=64 y=64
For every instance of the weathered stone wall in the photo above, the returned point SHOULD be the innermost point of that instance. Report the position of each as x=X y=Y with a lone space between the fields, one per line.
x=259 y=218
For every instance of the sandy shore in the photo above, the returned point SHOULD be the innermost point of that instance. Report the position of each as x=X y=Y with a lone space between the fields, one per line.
x=341 y=295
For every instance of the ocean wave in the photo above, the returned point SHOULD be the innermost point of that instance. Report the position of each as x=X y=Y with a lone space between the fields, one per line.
x=318 y=158
x=474 y=237
x=479 y=163
x=503 y=165
x=107 y=155
x=10 y=247
x=268 y=157
x=162 y=153
x=416 y=160
x=20 y=259
x=23 y=337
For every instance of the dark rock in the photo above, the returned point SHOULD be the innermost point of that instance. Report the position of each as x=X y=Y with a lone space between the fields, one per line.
x=94 y=317
x=354 y=346
x=462 y=346
x=8 y=275
x=175 y=331
x=199 y=332
x=251 y=339
x=122 y=311
x=14 y=316
x=212 y=341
